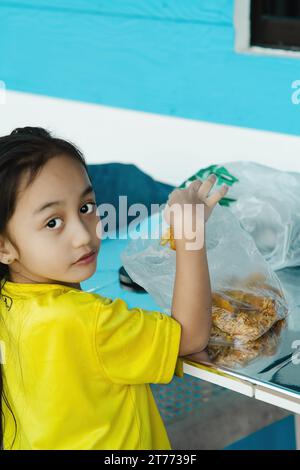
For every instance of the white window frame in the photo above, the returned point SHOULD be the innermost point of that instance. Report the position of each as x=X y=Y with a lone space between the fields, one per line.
x=242 y=34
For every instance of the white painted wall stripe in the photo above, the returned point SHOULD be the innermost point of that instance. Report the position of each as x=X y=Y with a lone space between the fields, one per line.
x=168 y=148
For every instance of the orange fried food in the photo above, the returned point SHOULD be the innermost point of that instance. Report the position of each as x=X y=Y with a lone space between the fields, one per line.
x=232 y=356
x=243 y=315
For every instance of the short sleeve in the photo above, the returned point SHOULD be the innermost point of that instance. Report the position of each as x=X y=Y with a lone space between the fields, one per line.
x=136 y=346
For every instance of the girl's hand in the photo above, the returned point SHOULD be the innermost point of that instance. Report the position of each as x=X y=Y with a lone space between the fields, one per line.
x=185 y=201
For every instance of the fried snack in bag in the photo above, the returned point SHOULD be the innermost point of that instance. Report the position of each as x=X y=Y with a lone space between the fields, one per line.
x=230 y=355
x=242 y=315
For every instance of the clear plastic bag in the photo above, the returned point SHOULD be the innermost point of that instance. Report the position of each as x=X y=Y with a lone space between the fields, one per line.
x=266 y=201
x=246 y=292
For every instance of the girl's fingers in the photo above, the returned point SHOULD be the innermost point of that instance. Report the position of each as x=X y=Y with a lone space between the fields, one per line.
x=195 y=185
x=206 y=186
x=217 y=196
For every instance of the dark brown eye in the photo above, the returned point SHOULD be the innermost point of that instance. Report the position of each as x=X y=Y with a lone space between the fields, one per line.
x=52 y=220
x=92 y=204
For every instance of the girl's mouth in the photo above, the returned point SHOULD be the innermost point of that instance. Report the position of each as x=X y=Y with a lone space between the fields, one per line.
x=87 y=259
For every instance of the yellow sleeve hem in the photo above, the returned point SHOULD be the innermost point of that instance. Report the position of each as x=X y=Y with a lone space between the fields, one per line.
x=179 y=368
x=172 y=363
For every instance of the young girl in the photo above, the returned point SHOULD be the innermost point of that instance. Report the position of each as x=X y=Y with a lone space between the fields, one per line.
x=76 y=366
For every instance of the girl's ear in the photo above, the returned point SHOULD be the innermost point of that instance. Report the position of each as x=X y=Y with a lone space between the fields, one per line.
x=6 y=255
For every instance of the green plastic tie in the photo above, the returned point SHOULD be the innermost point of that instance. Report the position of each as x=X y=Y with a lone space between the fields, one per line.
x=223 y=177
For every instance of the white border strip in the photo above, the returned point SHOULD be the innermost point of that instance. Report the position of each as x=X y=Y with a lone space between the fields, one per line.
x=254 y=381
x=289 y=401
x=277 y=399
x=167 y=148
x=237 y=385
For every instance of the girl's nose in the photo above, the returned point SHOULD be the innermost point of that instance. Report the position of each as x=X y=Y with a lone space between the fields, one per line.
x=81 y=234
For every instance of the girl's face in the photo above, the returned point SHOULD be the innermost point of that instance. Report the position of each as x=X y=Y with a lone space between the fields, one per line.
x=51 y=239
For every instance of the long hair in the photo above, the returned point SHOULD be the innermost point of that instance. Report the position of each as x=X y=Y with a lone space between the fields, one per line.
x=26 y=149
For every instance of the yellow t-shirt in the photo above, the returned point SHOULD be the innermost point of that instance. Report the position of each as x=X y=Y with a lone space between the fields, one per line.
x=78 y=366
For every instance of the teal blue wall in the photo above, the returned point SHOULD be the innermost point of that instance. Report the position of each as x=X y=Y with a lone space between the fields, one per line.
x=173 y=57
x=278 y=436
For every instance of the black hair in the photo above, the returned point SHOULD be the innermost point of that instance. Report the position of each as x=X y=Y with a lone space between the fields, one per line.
x=26 y=149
